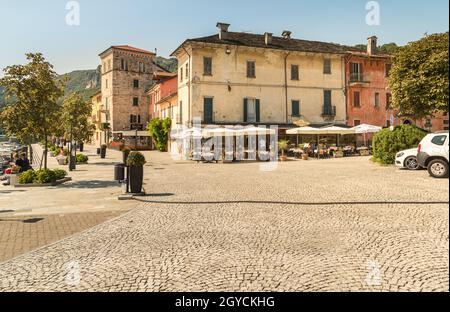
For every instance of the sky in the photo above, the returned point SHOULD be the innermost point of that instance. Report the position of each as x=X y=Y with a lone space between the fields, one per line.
x=40 y=26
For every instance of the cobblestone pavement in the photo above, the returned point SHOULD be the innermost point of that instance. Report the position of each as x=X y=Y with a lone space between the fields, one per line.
x=332 y=225
x=23 y=234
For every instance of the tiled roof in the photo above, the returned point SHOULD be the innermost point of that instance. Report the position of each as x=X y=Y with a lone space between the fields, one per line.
x=258 y=41
x=129 y=48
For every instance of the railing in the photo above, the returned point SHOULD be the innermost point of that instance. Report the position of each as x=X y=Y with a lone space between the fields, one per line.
x=329 y=111
x=359 y=77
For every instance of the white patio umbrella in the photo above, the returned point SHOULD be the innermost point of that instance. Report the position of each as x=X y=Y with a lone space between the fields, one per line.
x=338 y=131
x=365 y=129
x=252 y=130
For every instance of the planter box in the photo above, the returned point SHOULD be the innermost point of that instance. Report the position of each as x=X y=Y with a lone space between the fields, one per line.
x=62 y=181
x=62 y=161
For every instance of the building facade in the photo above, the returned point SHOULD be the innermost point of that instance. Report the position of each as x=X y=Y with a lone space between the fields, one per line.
x=127 y=72
x=368 y=94
x=163 y=97
x=239 y=78
x=100 y=119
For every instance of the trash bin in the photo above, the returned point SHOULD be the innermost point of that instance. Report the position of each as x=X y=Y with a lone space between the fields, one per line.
x=119 y=172
x=98 y=151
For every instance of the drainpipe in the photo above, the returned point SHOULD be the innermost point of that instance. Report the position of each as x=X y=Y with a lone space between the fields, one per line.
x=189 y=87
x=346 y=62
x=286 y=86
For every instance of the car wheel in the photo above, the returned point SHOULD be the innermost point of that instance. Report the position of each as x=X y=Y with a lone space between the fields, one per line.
x=438 y=169
x=411 y=163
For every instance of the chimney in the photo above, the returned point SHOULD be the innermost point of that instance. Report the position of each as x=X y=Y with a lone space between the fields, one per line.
x=223 y=30
x=286 y=34
x=268 y=38
x=372 y=45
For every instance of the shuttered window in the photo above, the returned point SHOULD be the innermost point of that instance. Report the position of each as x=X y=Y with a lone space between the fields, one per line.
x=377 y=99
x=295 y=108
x=208 y=110
x=135 y=101
x=356 y=99
x=207 y=66
x=252 y=110
x=251 y=69
x=327 y=66
x=294 y=72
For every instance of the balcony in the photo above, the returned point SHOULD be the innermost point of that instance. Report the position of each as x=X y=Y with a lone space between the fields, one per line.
x=329 y=111
x=358 y=78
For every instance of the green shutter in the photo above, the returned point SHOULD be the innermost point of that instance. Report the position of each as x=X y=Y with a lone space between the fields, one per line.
x=257 y=109
x=208 y=110
x=245 y=110
x=295 y=108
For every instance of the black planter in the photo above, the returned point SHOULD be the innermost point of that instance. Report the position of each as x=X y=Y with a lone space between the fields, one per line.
x=136 y=179
x=81 y=146
x=98 y=151
x=103 y=153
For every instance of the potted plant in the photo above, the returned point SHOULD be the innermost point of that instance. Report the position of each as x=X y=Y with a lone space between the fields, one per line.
x=125 y=152
x=282 y=145
x=103 y=151
x=136 y=162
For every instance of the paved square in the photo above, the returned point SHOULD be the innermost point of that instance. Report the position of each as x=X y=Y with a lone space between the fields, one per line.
x=332 y=225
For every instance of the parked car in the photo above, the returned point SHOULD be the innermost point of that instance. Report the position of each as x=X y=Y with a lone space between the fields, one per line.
x=433 y=154
x=408 y=159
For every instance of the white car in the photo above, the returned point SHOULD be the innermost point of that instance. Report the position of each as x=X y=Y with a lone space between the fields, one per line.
x=433 y=153
x=407 y=159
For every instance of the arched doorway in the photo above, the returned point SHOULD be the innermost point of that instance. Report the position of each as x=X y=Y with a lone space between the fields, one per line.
x=407 y=122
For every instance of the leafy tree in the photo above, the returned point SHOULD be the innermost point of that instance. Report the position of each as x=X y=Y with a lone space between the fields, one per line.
x=419 y=77
x=75 y=116
x=159 y=129
x=389 y=48
x=34 y=91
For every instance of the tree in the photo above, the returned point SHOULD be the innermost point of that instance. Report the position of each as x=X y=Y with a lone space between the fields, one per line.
x=33 y=90
x=159 y=129
x=388 y=48
x=75 y=114
x=419 y=77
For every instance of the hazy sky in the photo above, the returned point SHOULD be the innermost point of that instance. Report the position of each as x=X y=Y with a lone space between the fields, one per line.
x=40 y=26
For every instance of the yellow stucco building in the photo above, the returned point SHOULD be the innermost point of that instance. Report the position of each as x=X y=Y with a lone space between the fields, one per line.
x=240 y=78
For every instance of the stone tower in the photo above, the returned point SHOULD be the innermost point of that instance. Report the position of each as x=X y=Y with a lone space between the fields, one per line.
x=126 y=73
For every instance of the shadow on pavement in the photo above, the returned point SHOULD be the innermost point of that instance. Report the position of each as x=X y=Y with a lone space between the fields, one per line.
x=94 y=184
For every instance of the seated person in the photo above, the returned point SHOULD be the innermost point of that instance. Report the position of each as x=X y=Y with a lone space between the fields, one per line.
x=25 y=162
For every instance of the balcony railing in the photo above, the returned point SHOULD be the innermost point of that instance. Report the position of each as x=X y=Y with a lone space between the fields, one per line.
x=359 y=78
x=329 y=111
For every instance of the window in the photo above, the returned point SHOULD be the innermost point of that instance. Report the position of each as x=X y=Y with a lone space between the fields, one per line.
x=181 y=74
x=294 y=72
x=104 y=67
x=356 y=72
x=387 y=70
x=141 y=67
x=106 y=83
x=377 y=99
x=208 y=110
x=106 y=103
x=109 y=64
x=123 y=64
x=134 y=119
x=356 y=122
x=135 y=101
x=446 y=122
x=327 y=103
x=356 y=99
x=439 y=140
x=207 y=66
x=181 y=112
x=388 y=100
x=296 y=108
x=251 y=110
x=187 y=70
x=327 y=66
x=251 y=69
x=136 y=84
